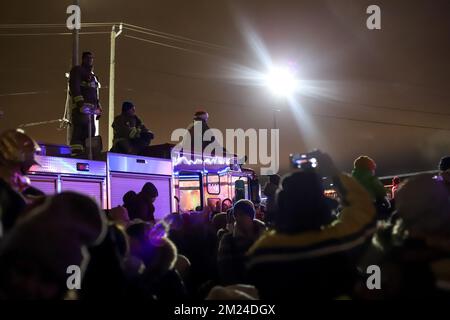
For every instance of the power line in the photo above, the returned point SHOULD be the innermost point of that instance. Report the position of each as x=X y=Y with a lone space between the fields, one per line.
x=131 y=27
x=382 y=122
x=248 y=106
x=324 y=98
x=23 y=93
x=366 y=105
x=172 y=46
x=173 y=74
x=173 y=37
x=49 y=34
x=178 y=38
x=55 y=25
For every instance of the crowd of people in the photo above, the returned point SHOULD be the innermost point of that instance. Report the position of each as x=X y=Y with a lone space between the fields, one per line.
x=297 y=244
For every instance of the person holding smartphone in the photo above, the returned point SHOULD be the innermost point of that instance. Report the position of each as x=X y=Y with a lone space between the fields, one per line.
x=308 y=254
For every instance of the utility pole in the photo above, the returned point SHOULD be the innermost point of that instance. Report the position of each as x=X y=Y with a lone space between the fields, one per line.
x=75 y=62
x=275 y=126
x=75 y=41
x=112 y=65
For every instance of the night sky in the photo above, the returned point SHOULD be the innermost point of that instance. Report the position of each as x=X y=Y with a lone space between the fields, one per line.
x=383 y=93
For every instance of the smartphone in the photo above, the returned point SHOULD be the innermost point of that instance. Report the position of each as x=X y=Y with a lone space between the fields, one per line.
x=239 y=190
x=303 y=161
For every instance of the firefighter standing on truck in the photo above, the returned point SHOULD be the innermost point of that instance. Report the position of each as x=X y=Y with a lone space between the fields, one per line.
x=84 y=86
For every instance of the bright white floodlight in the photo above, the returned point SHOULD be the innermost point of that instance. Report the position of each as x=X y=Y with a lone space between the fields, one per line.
x=281 y=81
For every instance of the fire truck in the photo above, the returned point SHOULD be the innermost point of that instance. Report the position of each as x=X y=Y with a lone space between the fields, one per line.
x=185 y=182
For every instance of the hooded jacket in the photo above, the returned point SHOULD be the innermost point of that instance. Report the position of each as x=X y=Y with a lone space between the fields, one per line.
x=369 y=182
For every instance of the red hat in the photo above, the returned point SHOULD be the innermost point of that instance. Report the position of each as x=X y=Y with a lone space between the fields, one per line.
x=201 y=115
x=199 y=112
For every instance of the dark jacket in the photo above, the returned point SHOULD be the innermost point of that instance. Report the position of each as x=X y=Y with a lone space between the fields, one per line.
x=198 y=242
x=270 y=191
x=231 y=256
x=127 y=127
x=12 y=204
x=83 y=85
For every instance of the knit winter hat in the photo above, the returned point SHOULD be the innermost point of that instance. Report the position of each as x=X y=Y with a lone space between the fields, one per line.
x=364 y=162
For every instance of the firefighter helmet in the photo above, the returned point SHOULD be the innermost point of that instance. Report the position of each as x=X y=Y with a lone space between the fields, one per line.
x=17 y=148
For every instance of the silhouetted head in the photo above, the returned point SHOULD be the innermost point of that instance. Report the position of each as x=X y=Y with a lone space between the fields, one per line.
x=226 y=204
x=444 y=168
x=301 y=203
x=244 y=214
x=150 y=191
x=396 y=181
x=128 y=108
x=129 y=197
x=87 y=59
x=365 y=163
x=444 y=163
